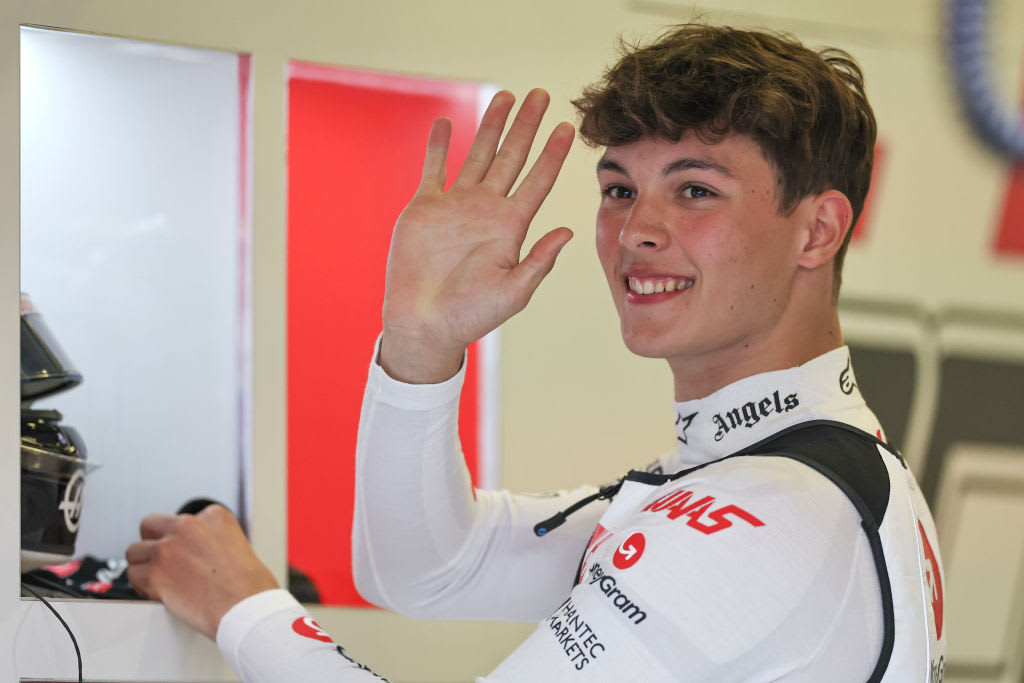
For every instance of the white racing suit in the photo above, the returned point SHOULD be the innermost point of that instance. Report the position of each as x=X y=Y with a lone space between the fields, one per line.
x=781 y=541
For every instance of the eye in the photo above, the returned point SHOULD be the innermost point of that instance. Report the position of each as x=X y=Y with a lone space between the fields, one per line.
x=698 y=192
x=618 y=192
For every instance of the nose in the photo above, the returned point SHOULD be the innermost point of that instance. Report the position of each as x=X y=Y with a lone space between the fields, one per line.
x=644 y=228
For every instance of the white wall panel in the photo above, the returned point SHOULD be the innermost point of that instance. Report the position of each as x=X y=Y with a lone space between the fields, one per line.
x=978 y=512
x=132 y=249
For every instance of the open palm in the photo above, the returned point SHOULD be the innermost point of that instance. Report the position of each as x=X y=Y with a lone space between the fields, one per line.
x=454 y=270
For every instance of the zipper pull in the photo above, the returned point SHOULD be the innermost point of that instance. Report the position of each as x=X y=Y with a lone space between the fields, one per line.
x=558 y=519
x=553 y=522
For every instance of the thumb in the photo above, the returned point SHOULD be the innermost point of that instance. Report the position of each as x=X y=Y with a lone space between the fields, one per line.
x=527 y=276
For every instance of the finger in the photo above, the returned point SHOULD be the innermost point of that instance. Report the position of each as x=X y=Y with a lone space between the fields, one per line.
x=215 y=511
x=157 y=526
x=527 y=276
x=140 y=552
x=221 y=519
x=432 y=180
x=538 y=182
x=138 y=577
x=481 y=152
x=515 y=148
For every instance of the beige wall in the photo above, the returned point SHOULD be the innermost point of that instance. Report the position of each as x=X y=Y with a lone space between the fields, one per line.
x=933 y=222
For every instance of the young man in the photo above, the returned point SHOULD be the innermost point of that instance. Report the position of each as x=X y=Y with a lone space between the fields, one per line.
x=782 y=540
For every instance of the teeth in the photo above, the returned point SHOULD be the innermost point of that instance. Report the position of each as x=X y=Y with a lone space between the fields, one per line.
x=639 y=286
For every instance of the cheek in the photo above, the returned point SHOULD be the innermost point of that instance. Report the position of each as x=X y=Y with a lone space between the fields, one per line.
x=761 y=268
x=739 y=261
x=717 y=252
x=607 y=242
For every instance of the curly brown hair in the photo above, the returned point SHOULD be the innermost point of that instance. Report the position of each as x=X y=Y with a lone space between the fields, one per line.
x=806 y=110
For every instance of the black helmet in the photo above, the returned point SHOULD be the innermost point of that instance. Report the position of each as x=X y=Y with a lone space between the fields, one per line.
x=53 y=459
x=45 y=369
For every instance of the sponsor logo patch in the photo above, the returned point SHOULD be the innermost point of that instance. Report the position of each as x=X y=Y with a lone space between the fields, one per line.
x=579 y=642
x=682 y=424
x=609 y=586
x=846 y=381
x=685 y=503
x=934 y=579
x=752 y=412
x=71 y=506
x=629 y=551
x=306 y=627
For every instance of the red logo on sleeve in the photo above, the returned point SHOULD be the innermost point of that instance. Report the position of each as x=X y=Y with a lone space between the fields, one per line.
x=306 y=627
x=934 y=578
x=629 y=551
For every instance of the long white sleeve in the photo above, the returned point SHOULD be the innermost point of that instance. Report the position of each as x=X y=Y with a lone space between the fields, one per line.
x=426 y=544
x=270 y=638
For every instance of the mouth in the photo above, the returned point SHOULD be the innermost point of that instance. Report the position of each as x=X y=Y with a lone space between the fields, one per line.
x=647 y=286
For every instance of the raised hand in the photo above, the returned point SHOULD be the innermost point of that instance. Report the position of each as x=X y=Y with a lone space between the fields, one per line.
x=454 y=272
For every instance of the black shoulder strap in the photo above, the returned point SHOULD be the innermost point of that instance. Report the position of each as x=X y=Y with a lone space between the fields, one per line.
x=851 y=460
x=844 y=455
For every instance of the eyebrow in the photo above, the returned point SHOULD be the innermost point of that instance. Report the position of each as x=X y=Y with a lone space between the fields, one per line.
x=684 y=164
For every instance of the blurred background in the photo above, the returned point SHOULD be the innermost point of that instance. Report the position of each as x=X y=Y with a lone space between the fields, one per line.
x=205 y=195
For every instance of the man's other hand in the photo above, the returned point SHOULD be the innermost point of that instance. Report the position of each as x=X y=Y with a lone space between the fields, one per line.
x=199 y=566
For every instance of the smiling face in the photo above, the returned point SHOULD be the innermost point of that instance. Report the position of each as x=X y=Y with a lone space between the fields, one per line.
x=700 y=264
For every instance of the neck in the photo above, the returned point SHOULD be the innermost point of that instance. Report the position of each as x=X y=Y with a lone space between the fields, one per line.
x=797 y=338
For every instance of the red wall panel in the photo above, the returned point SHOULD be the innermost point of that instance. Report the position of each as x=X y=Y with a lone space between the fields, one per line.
x=1010 y=232
x=355 y=150
x=863 y=225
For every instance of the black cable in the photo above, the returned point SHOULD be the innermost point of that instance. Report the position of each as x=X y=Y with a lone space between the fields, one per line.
x=78 y=652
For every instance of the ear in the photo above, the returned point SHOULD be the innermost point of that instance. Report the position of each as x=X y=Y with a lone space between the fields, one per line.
x=830 y=218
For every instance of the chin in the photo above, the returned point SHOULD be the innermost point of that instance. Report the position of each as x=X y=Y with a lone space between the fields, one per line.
x=648 y=347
